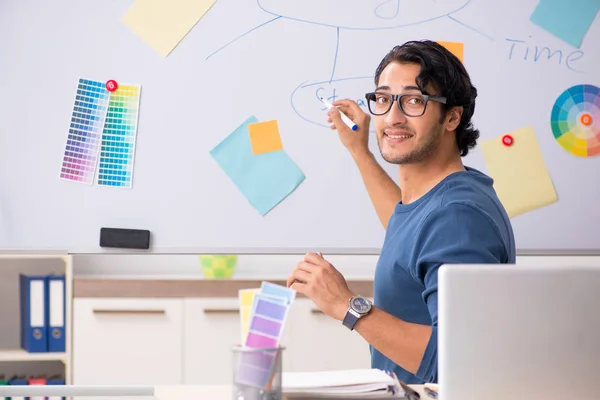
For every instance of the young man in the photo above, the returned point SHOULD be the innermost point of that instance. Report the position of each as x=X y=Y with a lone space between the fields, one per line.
x=442 y=213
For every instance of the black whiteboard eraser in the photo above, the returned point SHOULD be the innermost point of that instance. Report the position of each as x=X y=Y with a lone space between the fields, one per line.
x=125 y=238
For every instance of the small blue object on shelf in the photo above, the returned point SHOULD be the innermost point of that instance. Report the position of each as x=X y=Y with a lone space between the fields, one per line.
x=33 y=310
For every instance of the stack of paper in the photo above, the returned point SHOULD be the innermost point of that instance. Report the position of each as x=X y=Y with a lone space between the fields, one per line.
x=354 y=383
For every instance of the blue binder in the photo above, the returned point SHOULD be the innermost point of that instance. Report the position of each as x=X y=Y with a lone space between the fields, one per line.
x=33 y=307
x=19 y=381
x=55 y=380
x=55 y=321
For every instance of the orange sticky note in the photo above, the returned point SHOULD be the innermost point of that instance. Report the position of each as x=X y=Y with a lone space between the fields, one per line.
x=264 y=137
x=456 y=48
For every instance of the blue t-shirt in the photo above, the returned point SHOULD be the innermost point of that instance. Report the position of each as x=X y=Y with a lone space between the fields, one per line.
x=460 y=220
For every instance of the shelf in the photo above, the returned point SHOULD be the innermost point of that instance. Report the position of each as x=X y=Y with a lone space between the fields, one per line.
x=22 y=355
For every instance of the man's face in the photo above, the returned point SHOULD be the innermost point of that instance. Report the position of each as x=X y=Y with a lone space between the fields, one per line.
x=403 y=139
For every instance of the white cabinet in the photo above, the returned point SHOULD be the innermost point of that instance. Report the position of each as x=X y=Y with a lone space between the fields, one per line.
x=127 y=341
x=319 y=342
x=212 y=328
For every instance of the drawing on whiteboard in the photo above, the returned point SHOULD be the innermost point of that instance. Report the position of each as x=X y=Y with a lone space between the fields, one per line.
x=385 y=14
x=306 y=98
x=364 y=15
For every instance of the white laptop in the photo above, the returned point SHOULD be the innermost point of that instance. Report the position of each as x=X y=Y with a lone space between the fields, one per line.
x=518 y=332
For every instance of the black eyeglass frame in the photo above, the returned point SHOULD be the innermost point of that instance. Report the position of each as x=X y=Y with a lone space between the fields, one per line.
x=396 y=99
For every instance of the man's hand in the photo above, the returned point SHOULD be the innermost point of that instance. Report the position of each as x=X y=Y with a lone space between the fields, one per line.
x=357 y=142
x=317 y=279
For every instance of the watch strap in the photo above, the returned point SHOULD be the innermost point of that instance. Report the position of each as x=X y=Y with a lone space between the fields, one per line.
x=350 y=320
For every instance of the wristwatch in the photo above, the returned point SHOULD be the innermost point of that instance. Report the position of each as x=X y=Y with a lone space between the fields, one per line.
x=358 y=307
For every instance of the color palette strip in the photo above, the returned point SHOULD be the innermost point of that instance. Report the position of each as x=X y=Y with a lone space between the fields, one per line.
x=119 y=137
x=246 y=300
x=266 y=325
x=83 y=140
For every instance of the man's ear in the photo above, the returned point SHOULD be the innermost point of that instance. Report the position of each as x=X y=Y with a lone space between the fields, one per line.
x=453 y=117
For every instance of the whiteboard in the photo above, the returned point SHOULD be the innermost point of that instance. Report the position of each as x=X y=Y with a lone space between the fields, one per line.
x=268 y=59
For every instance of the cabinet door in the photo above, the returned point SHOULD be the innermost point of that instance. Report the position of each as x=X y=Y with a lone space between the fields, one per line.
x=212 y=328
x=127 y=341
x=320 y=343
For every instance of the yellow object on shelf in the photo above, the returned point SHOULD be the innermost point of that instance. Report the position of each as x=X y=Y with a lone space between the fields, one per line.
x=218 y=266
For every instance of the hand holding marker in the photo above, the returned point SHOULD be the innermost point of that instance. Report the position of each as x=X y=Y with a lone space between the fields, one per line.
x=345 y=118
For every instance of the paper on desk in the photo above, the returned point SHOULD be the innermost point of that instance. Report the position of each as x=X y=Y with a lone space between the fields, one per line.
x=365 y=383
x=568 y=20
x=162 y=24
x=265 y=179
x=521 y=179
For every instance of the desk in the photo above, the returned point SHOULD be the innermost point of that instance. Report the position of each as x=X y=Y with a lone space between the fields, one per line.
x=216 y=392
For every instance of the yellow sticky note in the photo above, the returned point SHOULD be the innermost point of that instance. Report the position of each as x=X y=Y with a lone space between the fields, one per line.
x=521 y=179
x=162 y=24
x=264 y=137
x=246 y=298
x=456 y=48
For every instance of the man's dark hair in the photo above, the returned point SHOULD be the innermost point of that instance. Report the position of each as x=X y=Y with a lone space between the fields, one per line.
x=448 y=75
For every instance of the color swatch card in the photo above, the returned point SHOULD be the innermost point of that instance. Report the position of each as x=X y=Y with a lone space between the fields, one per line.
x=270 y=308
x=521 y=179
x=568 y=20
x=85 y=132
x=101 y=139
x=246 y=300
x=263 y=172
x=119 y=137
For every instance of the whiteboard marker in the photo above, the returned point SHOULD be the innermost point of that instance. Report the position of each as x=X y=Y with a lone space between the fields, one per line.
x=345 y=118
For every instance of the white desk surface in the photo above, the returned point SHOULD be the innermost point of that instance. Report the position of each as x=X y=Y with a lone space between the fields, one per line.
x=217 y=392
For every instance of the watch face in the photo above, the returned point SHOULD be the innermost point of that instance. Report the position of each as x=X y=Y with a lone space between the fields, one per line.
x=360 y=305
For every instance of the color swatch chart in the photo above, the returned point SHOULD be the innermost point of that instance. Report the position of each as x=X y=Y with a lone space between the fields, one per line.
x=575 y=120
x=102 y=135
x=83 y=140
x=118 y=137
x=262 y=328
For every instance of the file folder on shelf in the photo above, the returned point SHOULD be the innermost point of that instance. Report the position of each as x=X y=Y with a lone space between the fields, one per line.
x=36 y=381
x=3 y=382
x=55 y=320
x=53 y=380
x=19 y=381
x=33 y=313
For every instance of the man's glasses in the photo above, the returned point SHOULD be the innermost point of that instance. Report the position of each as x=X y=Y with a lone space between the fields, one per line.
x=411 y=105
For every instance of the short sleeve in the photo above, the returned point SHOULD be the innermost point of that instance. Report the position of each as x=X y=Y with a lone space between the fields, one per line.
x=457 y=233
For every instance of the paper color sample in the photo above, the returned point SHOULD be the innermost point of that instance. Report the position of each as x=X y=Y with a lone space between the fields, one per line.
x=162 y=24
x=521 y=179
x=456 y=48
x=265 y=179
x=83 y=139
x=568 y=20
x=246 y=299
x=267 y=322
x=271 y=289
x=119 y=136
x=265 y=137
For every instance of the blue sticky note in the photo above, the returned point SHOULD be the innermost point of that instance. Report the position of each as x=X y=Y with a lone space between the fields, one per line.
x=265 y=179
x=568 y=20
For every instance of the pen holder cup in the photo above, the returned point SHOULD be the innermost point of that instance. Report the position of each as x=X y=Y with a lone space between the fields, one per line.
x=257 y=373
